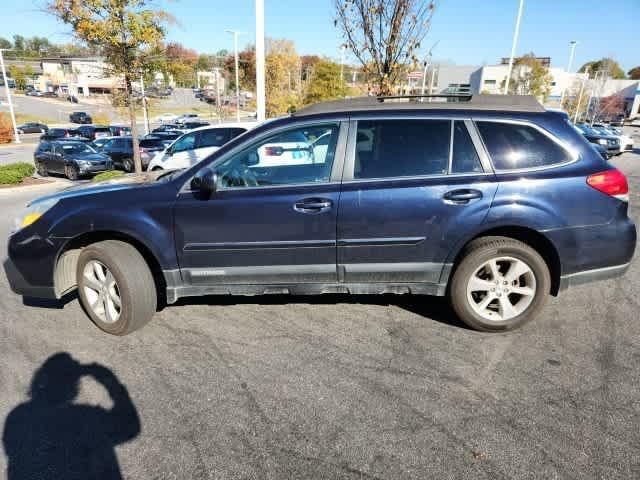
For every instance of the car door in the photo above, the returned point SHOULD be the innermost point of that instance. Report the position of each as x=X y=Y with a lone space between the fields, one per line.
x=182 y=152
x=411 y=189
x=210 y=140
x=263 y=225
x=42 y=154
x=56 y=159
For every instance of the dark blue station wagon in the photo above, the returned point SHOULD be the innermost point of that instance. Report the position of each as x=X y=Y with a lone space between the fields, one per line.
x=489 y=200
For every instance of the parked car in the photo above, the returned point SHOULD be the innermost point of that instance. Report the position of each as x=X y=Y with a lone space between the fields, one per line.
x=119 y=130
x=187 y=117
x=626 y=141
x=197 y=145
x=491 y=201
x=167 y=127
x=49 y=94
x=611 y=143
x=120 y=150
x=617 y=121
x=32 y=127
x=60 y=133
x=33 y=92
x=72 y=158
x=99 y=142
x=94 y=131
x=166 y=118
x=601 y=150
x=80 y=117
x=188 y=126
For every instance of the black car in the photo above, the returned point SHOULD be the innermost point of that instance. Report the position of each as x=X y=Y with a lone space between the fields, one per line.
x=72 y=158
x=32 y=127
x=60 y=133
x=119 y=130
x=120 y=149
x=80 y=117
x=94 y=131
x=166 y=127
x=49 y=94
x=612 y=144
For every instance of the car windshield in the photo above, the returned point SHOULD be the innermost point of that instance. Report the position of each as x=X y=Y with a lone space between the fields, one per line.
x=77 y=148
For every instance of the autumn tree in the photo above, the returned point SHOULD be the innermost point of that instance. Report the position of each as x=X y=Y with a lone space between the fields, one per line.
x=281 y=77
x=576 y=99
x=125 y=31
x=246 y=69
x=325 y=83
x=530 y=77
x=634 y=73
x=384 y=35
x=608 y=65
x=608 y=107
x=18 y=75
x=307 y=62
x=181 y=63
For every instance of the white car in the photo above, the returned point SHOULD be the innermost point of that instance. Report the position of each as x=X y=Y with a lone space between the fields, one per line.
x=626 y=142
x=187 y=117
x=166 y=118
x=196 y=145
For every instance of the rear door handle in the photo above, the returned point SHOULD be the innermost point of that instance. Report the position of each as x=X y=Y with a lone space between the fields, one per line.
x=462 y=196
x=313 y=205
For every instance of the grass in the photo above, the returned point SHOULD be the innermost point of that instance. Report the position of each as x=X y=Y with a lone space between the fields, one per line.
x=13 y=173
x=107 y=175
x=24 y=118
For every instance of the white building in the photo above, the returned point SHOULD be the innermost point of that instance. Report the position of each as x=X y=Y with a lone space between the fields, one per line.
x=78 y=76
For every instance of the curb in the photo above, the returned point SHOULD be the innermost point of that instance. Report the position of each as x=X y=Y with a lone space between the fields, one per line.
x=31 y=188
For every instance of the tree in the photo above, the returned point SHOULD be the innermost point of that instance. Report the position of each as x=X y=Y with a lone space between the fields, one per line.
x=608 y=65
x=5 y=44
x=307 y=62
x=576 y=98
x=125 y=31
x=18 y=44
x=634 y=73
x=181 y=63
x=246 y=68
x=608 y=107
x=281 y=77
x=325 y=83
x=384 y=35
x=18 y=75
x=530 y=77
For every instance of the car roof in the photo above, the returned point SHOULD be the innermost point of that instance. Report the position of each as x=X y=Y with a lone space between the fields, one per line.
x=505 y=103
x=247 y=125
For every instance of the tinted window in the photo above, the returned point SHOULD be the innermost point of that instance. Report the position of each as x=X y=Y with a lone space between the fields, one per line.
x=235 y=132
x=465 y=157
x=213 y=138
x=513 y=146
x=402 y=148
x=283 y=159
x=44 y=148
x=151 y=143
x=187 y=142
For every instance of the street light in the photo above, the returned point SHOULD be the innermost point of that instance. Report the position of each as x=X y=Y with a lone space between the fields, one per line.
x=260 y=90
x=6 y=87
x=572 y=45
x=235 y=34
x=513 y=47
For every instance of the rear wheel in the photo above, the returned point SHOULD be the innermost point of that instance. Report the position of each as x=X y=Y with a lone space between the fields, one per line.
x=499 y=284
x=127 y=164
x=71 y=172
x=116 y=287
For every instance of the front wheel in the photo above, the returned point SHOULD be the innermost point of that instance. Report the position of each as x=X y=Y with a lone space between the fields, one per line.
x=116 y=287
x=127 y=164
x=41 y=169
x=71 y=172
x=499 y=284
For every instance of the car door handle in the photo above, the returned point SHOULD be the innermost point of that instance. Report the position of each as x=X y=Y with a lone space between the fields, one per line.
x=313 y=205
x=462 y=196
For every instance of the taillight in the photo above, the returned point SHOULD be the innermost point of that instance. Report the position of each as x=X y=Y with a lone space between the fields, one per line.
x=612 y=182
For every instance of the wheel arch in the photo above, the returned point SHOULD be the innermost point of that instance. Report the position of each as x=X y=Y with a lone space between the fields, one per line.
x=535 y=239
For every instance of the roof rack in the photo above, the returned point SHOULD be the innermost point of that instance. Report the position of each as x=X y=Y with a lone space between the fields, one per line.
x=503 y=103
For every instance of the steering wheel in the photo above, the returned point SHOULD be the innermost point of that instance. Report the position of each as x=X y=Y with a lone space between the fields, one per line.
x=240 y=176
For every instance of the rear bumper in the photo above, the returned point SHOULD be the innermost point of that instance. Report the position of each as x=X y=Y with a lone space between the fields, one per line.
x=21 y=286
x=580 y=278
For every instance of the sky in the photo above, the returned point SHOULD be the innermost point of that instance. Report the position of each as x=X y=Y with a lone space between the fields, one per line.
x=467 y=32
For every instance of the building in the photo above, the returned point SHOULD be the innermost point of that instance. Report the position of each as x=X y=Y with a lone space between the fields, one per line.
x=78 y=76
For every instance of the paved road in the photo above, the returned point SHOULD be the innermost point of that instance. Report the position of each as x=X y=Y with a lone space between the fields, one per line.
x=327 y=387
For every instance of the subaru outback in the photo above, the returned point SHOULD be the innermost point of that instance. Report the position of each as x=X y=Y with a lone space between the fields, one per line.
x=490 y=200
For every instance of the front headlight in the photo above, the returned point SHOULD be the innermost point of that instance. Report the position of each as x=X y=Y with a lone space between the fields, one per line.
x=32 y=213
x=602 y=141
x=84 y=163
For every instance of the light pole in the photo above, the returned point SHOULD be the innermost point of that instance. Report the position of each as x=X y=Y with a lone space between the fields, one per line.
x=6 y=87
x=572 y=44
x=144 y=106
x=260 y=90
x=235 y=34
x=513 y=47
x=579 y=101
x=343 y=48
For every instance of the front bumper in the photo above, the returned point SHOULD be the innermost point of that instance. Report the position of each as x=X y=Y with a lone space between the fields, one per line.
x=22 y=287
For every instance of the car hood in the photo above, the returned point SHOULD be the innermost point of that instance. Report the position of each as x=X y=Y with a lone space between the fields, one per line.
x=89 y=157
x=125 y=182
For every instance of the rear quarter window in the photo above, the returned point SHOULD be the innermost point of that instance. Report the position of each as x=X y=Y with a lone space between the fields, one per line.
x=515 y=146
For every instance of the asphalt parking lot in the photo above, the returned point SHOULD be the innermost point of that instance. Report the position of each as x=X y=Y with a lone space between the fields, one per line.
x=326 y=387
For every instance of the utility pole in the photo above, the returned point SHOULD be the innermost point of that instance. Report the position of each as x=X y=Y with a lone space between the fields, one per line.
x=235 y=34
x=513 y=47
x=572 y=44
x=8 y=90
x=579 y=101
x=260 y=89
x=144 y=106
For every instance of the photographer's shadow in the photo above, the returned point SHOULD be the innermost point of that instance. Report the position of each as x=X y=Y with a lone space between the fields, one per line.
x=51 y=437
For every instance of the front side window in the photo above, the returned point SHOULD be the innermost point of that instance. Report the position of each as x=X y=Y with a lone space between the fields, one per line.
x=187 y=142
x=402 y=148
x=287 y=158
x=513 y=146
x=216 y=137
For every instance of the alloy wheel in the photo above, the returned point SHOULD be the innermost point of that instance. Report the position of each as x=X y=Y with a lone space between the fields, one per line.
x=102 y=292
x=501 y=288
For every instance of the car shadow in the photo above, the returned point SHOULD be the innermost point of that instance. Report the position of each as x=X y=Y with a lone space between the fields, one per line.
x=431 y=307
x=52 y=436
x=51 y=303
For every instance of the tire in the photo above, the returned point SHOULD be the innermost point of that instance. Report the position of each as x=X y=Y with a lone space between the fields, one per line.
x=473 y=274
x=71 y=172
x=155 y=169
x=41 y=169
x=134 y=286
x=127 y=164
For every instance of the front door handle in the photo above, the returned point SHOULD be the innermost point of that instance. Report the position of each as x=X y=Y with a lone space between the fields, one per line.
x=313 y=205
x=462 y=196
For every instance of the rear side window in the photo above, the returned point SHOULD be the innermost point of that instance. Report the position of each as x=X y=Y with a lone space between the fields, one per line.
x=213 y=138
x=513 y=146
x=465 y=157
x=402 y=148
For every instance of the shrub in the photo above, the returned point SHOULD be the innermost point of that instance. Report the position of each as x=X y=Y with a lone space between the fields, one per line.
x=100 y=119
x=14 y=172
x=6 y=128
x=10 y=177
x=107 y=175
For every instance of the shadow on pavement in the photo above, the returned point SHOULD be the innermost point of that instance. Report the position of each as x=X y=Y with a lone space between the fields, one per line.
x=51 y=437
x=50 y=302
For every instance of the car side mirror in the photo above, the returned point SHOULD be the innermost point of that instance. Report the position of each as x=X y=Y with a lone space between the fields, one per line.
x=205 y=181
